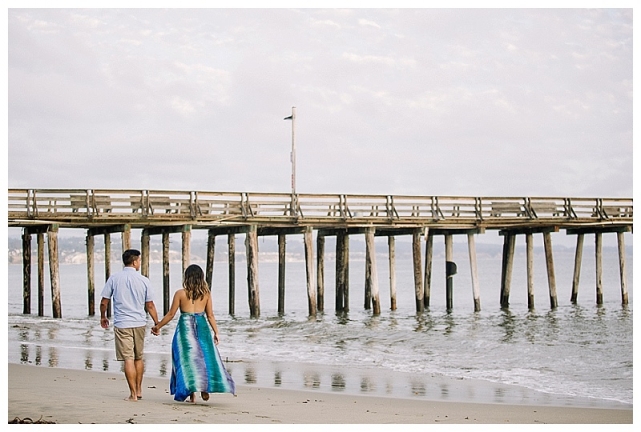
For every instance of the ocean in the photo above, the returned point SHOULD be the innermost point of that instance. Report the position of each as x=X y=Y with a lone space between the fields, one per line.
x=573 y=355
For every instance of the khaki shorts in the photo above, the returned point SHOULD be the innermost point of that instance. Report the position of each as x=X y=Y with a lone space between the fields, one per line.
x=130 y=342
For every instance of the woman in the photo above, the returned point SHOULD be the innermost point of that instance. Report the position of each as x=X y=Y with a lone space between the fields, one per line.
x=196 y=363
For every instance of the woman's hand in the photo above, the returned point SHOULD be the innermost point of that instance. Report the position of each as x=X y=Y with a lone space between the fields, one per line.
x=155 y=330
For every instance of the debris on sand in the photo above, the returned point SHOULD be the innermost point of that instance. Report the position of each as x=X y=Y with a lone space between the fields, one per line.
x=28 y=420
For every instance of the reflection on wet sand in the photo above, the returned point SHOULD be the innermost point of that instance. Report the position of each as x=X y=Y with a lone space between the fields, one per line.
x=367 y=385
x=338 y=382
x=445 y=391
x=24 y=354
x=163 y=368
x=418 y=388
x=263 y=374
x=53 y=357
x=499 y=395
x=298 y=376
x=311 y=380
x=250 y=376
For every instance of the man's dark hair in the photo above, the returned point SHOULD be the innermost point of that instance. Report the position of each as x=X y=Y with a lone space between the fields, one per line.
x=129 y=256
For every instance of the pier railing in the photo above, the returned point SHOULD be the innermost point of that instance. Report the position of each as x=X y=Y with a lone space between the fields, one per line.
x=104 y=205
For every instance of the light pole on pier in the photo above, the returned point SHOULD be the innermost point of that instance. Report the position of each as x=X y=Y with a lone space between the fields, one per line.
x=293 y=159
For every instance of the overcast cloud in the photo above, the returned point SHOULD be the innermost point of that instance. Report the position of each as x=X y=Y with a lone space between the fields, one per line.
x=487 y=102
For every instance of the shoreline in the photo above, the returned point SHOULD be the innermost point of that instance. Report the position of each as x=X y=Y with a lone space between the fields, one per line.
x=77 y=396
x=374 y=379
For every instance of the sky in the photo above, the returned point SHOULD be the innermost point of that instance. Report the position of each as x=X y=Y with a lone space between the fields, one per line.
x=464 y=102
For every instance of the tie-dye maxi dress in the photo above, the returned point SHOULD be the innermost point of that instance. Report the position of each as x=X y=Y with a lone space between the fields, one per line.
x=196 y=362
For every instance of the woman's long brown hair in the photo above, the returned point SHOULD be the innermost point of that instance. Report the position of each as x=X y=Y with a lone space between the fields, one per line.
x=196 y=287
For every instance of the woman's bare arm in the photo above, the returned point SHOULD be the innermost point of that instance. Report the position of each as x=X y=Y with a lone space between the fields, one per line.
x=209 y=311
x=175 y=304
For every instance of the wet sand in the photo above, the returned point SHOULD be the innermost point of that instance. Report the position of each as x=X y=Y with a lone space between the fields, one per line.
x=68 y=396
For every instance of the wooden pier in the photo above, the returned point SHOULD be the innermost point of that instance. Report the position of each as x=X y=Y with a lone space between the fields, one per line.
x=162 y=212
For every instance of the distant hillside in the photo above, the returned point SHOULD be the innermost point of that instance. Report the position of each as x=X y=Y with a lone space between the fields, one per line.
x=73 y=249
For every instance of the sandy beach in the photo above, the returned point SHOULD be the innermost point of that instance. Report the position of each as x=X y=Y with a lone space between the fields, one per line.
x=68 y=396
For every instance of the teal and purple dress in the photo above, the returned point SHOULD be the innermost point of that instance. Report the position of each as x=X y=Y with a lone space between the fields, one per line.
x=196 y=362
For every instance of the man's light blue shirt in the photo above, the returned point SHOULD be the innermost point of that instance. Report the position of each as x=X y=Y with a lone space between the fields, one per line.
x=130 y=291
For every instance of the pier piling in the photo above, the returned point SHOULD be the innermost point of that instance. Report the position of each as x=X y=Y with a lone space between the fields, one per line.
x=391 y=246
x=371 y=280
x=107 y=240
x=90 y=275
x=309 y=271
x=418 y=270
x=342 y=271
x=54 y=270
x=450 y=271
x=211 y=254
x=476 y=290
x=578 y=256
x=251 y=249
x=144 y=252
x=282 y=255
x=231 y=255
x=126 y=238
x=320 y=272
x=506 y=271
x=598 y=252
x=165 y=272
x=622 y=273
x=549 y=261
x=429 y=248
x=41 y=274
x=26 y=271
x=529 y=257
x=186 y=249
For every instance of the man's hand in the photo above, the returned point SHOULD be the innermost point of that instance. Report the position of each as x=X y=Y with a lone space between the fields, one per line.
x=104 y=321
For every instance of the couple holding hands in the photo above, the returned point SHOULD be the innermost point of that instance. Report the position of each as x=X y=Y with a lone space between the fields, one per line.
x=196 y=363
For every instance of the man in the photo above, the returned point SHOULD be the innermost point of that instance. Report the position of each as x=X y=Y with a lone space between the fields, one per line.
x=131 y=294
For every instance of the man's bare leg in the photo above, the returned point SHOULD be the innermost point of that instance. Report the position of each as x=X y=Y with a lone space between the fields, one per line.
x=130 y=375
x=140 y=369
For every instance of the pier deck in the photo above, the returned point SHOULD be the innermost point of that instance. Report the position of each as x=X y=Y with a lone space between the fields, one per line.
x=162 y=212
